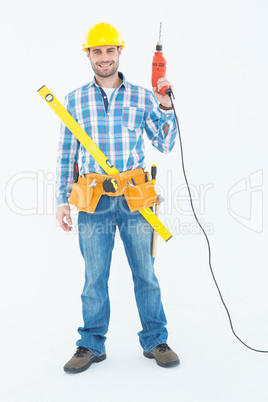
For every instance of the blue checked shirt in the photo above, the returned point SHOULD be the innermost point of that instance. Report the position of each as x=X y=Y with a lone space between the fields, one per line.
x=115 y=127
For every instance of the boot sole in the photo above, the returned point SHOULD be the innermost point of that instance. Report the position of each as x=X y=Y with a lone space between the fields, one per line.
x=168 y=364
x=96 y=359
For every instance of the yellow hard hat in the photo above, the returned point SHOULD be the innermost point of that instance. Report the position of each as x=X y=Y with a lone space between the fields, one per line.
x=102 y=34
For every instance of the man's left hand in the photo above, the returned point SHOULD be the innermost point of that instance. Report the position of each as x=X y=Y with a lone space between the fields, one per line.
x=163 y=99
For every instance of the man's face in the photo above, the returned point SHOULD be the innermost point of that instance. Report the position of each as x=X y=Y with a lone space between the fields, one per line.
x=104 y=60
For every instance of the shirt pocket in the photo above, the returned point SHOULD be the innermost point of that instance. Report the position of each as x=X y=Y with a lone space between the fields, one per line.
x=132 y=117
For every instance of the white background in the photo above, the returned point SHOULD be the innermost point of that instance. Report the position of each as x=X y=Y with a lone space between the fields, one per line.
x=217 y=61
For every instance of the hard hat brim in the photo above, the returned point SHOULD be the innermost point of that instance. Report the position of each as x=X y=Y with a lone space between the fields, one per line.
x=85 y=47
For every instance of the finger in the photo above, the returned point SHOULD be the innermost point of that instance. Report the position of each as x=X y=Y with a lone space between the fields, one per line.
x=162 y=79
x=162 y=85
x=155 y=91
x=68 y=219
x=64 y=225
x=163 y=82
x=68 y=225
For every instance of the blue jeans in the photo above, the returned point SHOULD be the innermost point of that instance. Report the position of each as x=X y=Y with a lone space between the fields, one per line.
x=96 y=240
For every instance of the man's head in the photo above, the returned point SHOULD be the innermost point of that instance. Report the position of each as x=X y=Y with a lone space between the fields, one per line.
x=103 y=44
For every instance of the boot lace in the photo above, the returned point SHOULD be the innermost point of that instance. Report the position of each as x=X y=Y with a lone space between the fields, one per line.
x=80 y=351
x=163 y=347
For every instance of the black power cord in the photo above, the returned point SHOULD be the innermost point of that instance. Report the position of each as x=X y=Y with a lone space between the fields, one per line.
x=170 y=94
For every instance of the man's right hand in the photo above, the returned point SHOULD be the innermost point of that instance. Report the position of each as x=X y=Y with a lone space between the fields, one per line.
x=62 y=212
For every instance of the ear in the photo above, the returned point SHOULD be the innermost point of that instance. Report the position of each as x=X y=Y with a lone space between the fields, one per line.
x=120 y=51
x=87 y=53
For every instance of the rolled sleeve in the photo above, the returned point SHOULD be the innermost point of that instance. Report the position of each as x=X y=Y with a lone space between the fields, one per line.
x=155 y=122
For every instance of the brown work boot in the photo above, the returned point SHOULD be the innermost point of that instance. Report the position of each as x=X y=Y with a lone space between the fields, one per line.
x=164 y=356
x=81 y=360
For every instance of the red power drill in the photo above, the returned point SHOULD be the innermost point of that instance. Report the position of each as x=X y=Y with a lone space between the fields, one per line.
x=159 y=65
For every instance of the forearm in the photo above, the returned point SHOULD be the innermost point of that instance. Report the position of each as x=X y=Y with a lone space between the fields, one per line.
x=64 y=181
x=166 y=137
x=165 y=129
x=161 y=129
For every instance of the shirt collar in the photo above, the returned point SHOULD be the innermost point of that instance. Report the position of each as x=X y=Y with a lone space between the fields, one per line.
x=120 y=75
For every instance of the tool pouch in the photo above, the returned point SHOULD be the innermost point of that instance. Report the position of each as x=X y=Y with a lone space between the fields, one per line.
x=135 y=185
x=140 y=196
x=84 y=197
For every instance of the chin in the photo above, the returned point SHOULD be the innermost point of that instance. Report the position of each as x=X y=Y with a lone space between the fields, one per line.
x=107 y=74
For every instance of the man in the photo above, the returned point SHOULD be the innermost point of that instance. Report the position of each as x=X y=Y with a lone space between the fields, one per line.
x=114 y=114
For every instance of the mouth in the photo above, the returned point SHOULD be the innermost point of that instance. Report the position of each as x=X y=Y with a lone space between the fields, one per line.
x=105 y=65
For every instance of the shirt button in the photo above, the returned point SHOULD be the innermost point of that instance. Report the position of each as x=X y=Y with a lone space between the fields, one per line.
x=104 y=97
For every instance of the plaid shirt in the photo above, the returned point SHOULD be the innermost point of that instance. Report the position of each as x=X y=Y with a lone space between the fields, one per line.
x=115 y=127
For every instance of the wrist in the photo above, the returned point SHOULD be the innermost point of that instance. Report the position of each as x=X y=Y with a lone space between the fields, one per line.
x=165 y=107
x=63 y=204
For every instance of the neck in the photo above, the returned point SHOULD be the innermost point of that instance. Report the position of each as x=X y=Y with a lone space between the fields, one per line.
x=109 y=82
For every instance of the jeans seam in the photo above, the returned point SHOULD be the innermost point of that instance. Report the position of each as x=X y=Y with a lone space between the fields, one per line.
x=106 y=284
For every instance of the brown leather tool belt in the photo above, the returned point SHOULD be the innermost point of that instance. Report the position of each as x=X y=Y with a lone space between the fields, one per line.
x=134 y=184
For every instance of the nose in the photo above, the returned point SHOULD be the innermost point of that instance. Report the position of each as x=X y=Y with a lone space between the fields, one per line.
x=105 y=57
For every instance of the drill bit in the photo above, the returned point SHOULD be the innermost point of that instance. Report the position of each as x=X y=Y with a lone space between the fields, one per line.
x=160 y=32
x=159 y=44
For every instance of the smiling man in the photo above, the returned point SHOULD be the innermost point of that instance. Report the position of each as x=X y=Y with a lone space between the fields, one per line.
x=114 y=113
x=104 y=60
